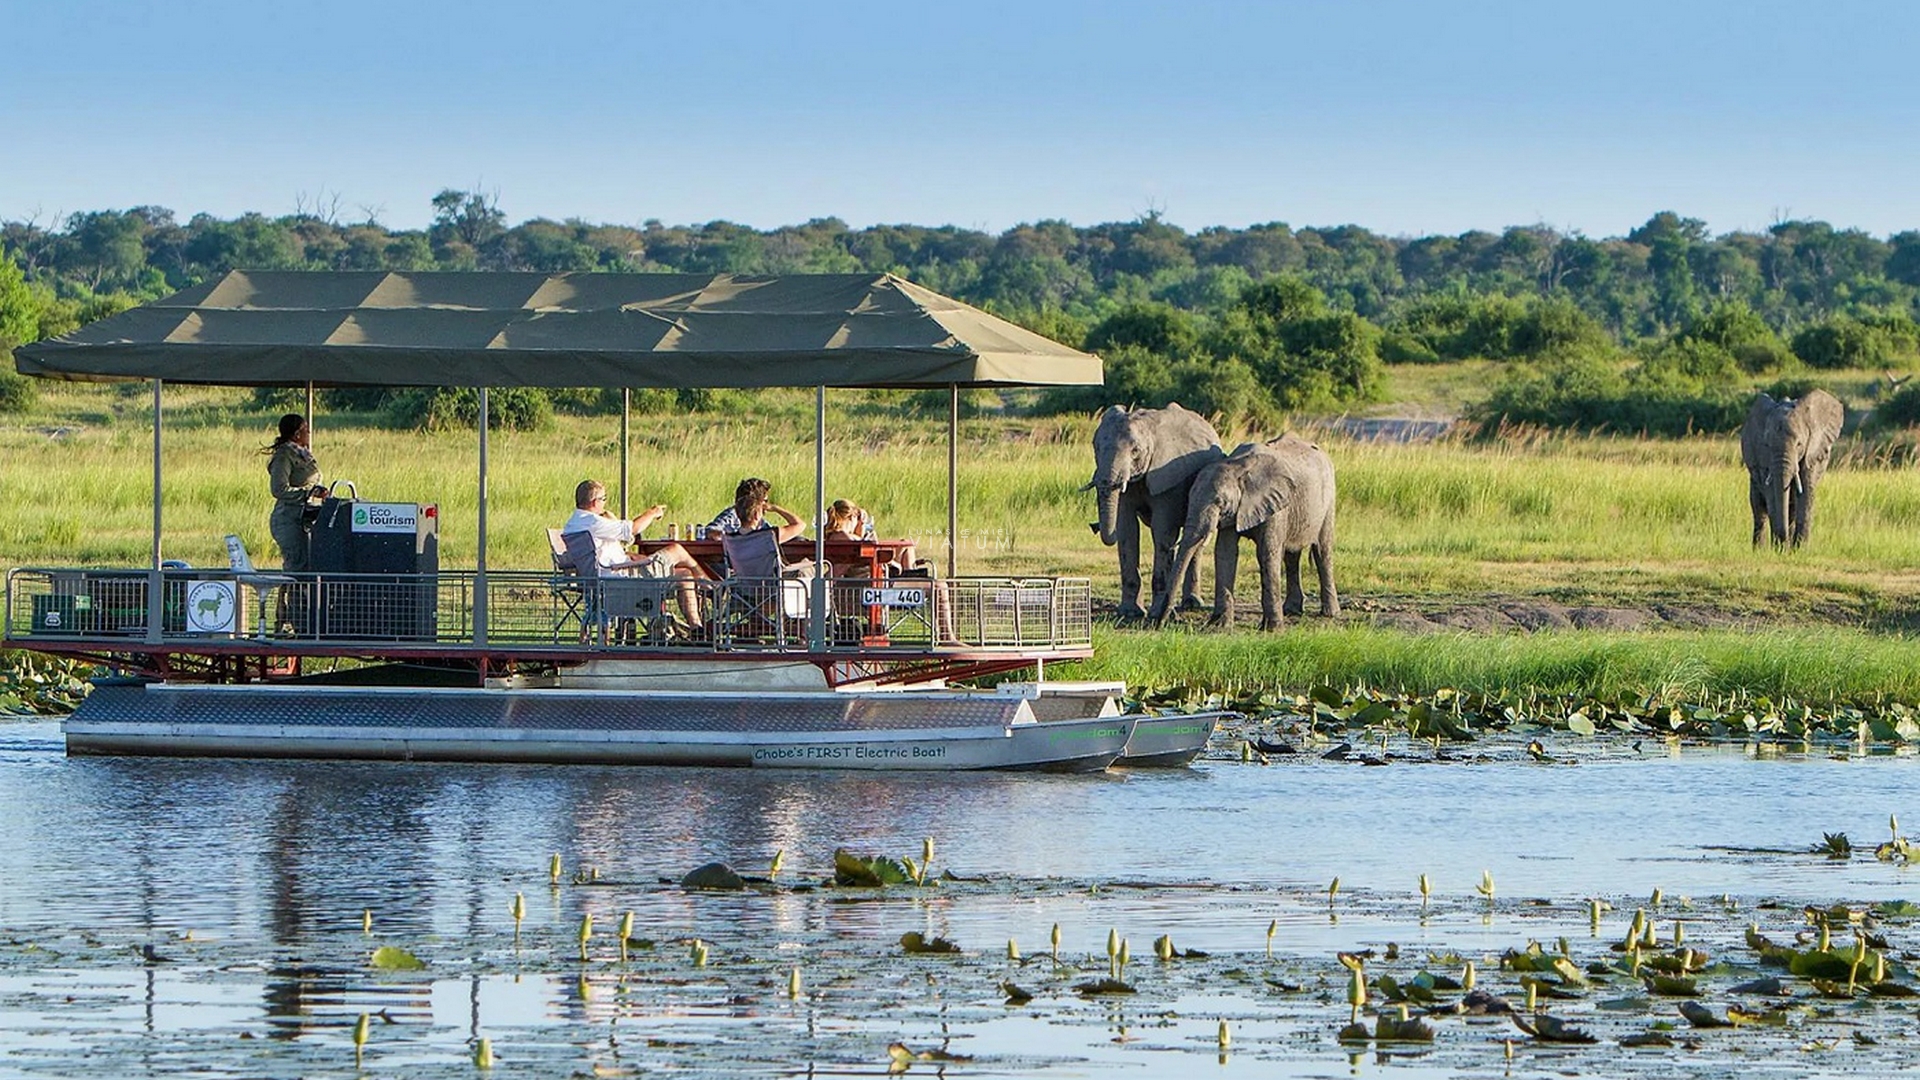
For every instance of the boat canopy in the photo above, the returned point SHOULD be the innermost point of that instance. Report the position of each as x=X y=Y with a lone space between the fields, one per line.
x=378 y=328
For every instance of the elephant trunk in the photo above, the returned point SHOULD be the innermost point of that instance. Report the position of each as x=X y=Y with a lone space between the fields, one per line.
x=1109 y=488
x=1781 y=497
x=1200 y=525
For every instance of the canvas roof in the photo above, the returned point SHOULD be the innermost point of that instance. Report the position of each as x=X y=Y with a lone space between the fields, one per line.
x=376 y=328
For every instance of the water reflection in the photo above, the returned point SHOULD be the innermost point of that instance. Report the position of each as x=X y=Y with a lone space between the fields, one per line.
x=274 y=862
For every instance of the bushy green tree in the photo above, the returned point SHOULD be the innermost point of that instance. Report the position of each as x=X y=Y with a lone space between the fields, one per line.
x=1843 y=342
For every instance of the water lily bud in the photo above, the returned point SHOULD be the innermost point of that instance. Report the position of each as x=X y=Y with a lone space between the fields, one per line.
x=1509 y=1050
x=1679 y=931
x=1893 y=823
x=366 y=921
x=699 y=953
x=773 y=870
x=1466 y=976
x=1013 y=950
x=1426 y=889
x=626 y=926
x=483 y=1054
x=1113 y=942
x=586 y=927
x=1271 y=927
x=913 y=869
x=1879 y=967
x=1357 y=990
x=1826 y=938
x=926 y=852
x=519 y=910
x=1163 y=947
x=553 y=869
x=793 y=983
x=1566 y=948
x=1246 y=751
x=1485 y=888
x=1657 y=897
x=360 y=1029
x=1226 y=1036
x=1126 y=954
x=1533 y=996
x=1056 y=941
x=1333 y=890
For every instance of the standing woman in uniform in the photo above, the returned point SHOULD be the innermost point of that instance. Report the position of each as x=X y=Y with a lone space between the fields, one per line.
x=294 y=477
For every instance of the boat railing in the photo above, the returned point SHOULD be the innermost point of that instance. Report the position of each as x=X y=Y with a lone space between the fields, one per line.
x=532 y=611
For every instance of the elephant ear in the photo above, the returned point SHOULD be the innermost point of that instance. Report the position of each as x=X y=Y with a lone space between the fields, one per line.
x=1183 y=444
x=1266 y=487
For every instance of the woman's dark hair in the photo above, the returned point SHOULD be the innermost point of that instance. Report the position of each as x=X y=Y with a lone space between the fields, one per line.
x=747 y=503
x=289 y=427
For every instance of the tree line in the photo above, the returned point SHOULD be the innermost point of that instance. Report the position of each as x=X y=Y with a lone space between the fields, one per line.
x=1255 y=320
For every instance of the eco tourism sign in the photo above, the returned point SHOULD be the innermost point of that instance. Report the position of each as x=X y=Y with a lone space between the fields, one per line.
x=373 y=517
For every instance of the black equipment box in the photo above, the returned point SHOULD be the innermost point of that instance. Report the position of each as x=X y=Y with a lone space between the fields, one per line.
x=354 y=536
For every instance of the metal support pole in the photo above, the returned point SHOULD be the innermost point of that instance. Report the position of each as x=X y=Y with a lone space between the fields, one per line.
x=156 y=599
x=626 y=415
x=953 y=479
x=817 y=628
x=480 y=546
x=309 y=412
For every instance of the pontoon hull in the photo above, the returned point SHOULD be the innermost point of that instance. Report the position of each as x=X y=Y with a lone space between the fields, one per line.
x=806 y=730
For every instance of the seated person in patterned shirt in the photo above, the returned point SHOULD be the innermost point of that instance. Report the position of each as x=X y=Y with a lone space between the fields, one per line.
x=727 y=522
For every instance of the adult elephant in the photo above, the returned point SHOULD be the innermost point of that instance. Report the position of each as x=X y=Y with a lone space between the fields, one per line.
x=1786 y=446
x=1280 y=494
x=1143 y=462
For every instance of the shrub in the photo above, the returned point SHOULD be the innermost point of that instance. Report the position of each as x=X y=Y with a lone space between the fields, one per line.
x=1224 y=388
x=18 y=393
x=1134 y=376
x=1901 y=409
x=446 y=408
x=1843 y=342
x=1587 y=390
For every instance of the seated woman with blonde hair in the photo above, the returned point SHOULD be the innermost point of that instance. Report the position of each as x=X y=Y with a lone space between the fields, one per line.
x=847 y=521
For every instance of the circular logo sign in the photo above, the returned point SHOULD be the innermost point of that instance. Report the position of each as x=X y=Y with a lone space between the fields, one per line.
x=359 y=515
x=211 y=607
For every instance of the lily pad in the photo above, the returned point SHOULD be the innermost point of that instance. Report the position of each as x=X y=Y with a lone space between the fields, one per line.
x=866 y=870
x=395 y=958
x=913 y=941
x=1103 y=987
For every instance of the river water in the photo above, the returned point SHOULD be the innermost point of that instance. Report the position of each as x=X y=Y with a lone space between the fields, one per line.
x=163 y=917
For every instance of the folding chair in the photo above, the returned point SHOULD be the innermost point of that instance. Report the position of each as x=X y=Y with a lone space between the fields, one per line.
x=568 y=595
x=762 y=590
x=635 y=603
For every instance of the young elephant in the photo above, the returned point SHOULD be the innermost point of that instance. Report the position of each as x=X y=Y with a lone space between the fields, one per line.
x=1279 y=493
x=1785 y=447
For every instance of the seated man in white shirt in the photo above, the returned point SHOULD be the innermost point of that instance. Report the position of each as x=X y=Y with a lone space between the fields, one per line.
x=611 y=535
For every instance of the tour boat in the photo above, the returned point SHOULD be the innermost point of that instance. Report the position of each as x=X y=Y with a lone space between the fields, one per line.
x=383 y=654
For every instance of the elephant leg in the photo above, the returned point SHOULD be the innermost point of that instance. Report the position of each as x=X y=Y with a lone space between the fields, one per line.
x=1129 y=529
x=1164 y=529
x=1323 y=565
x=1276 y=563
x=1803 y=514
x=1296 y=601
x=1226 y=568
x=1757 y=502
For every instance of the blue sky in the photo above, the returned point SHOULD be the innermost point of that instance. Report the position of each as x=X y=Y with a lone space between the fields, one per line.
x=1408 y=118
